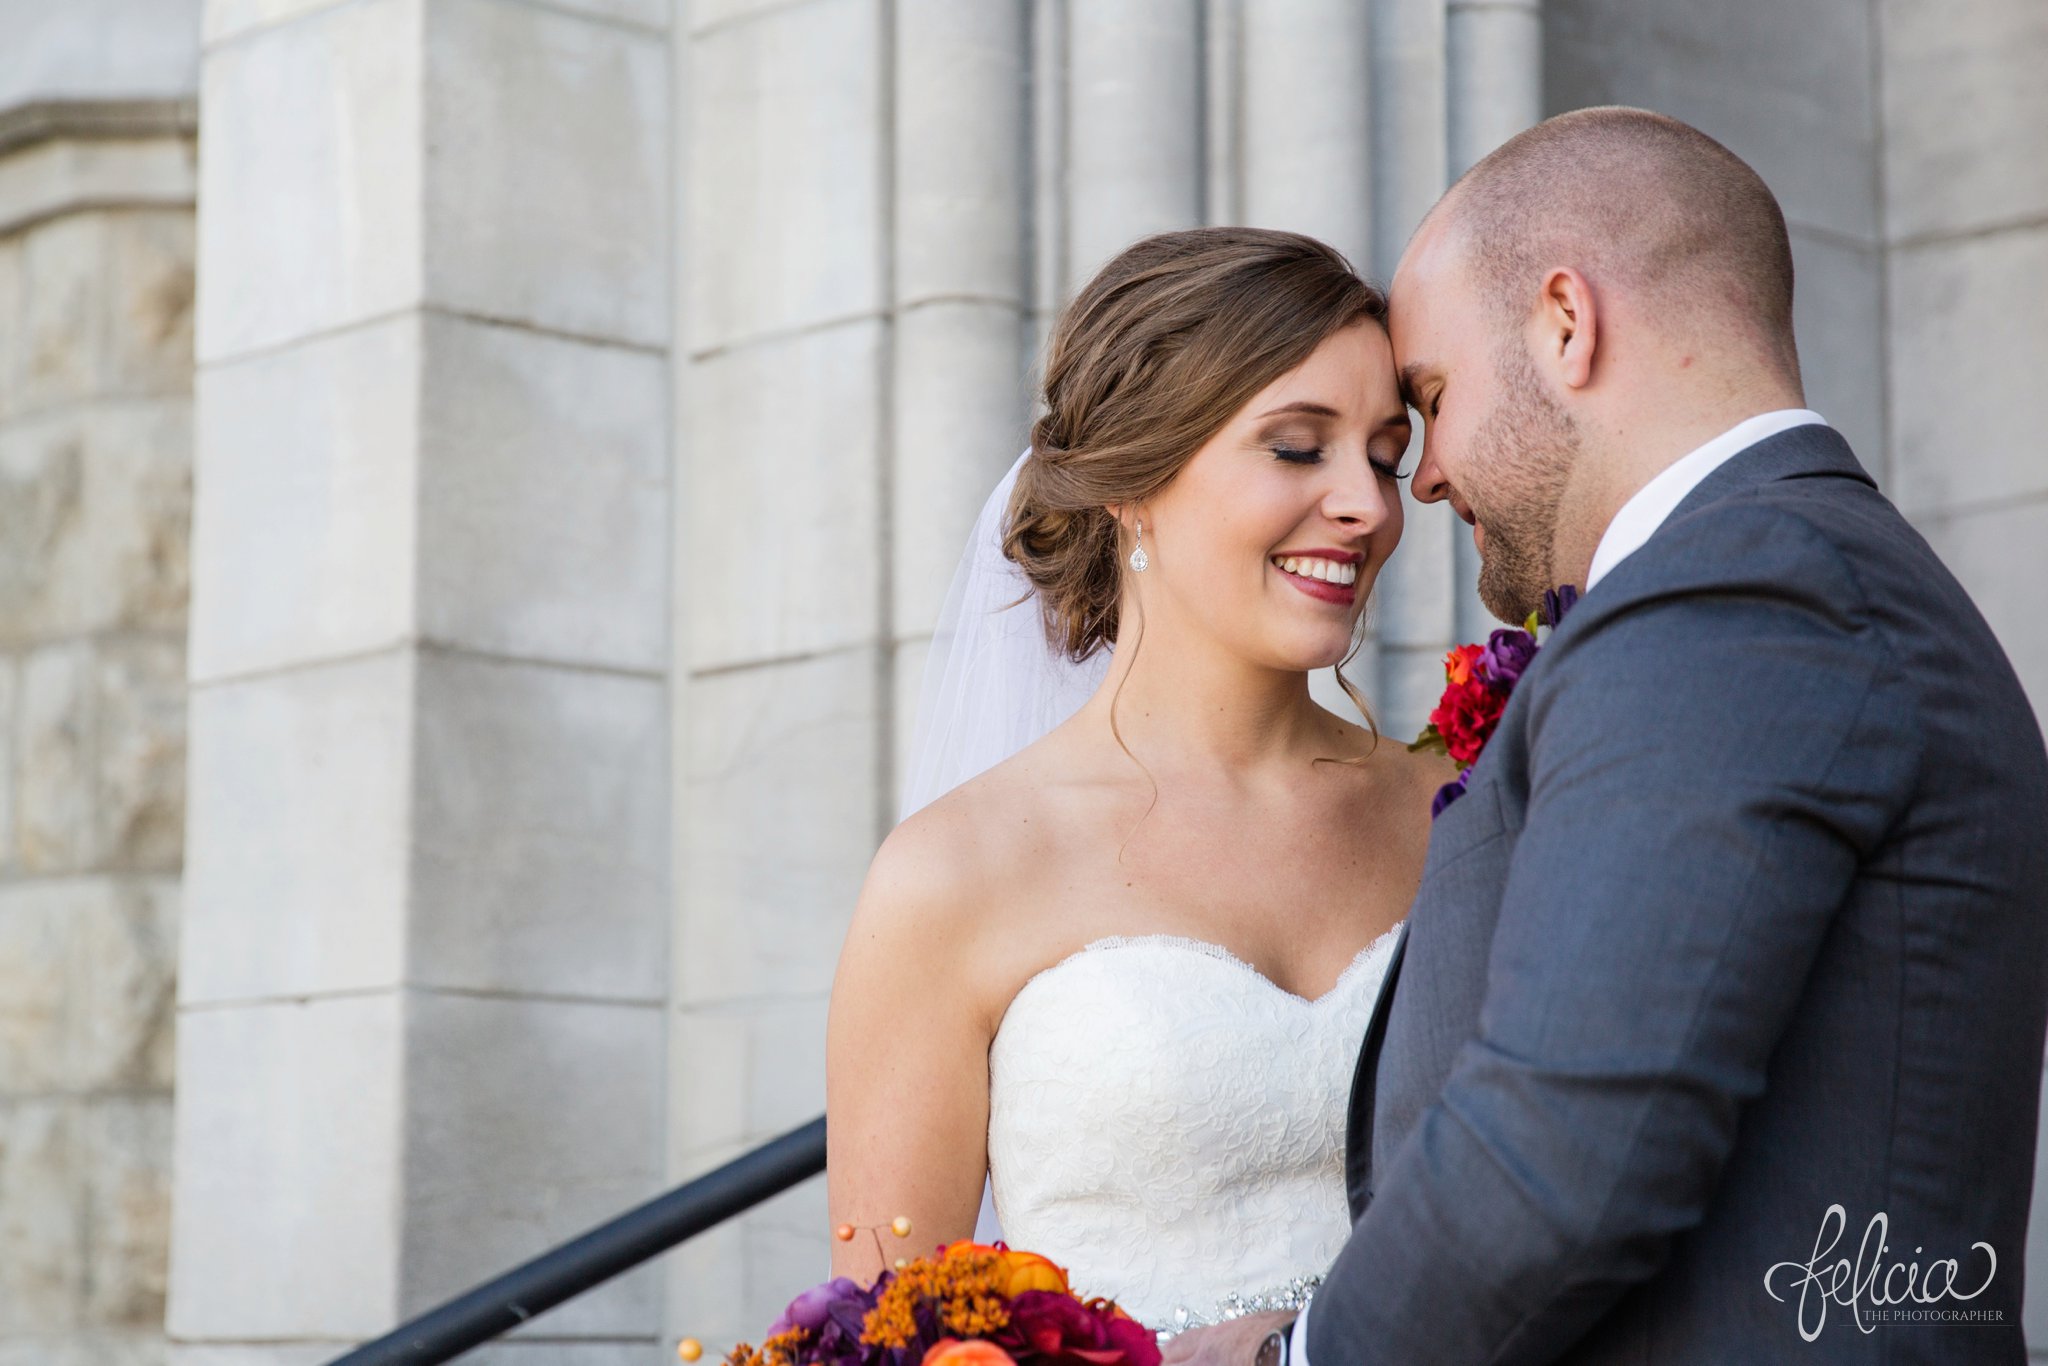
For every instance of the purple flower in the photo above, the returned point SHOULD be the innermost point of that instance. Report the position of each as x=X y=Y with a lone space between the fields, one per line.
x=1556 y=602
x=814 y=1307
x=1507 y=653
x=1449 y=793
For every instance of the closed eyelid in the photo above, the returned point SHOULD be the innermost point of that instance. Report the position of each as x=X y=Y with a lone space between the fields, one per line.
x=1412 y=378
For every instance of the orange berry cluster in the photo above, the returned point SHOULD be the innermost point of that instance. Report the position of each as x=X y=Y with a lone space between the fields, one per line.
x=965 y=1287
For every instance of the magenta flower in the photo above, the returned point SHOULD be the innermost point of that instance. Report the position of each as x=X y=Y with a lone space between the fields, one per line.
x=1049 y=1327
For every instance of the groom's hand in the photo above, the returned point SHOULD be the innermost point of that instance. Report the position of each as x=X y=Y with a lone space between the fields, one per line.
x=1234 y=1342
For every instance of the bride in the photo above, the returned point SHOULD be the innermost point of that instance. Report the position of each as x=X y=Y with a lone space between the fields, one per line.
x=1123 y=974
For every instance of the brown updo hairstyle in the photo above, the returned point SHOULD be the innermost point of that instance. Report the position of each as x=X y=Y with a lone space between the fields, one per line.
x=1158 y=352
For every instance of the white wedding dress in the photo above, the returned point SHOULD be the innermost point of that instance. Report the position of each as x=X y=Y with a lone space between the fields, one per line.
x=1168 y=1125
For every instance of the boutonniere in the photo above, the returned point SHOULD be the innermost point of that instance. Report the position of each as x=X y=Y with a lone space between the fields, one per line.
x=1479 y=679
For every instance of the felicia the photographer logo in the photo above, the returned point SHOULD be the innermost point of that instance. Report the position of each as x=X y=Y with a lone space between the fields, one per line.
x=1875 y=1291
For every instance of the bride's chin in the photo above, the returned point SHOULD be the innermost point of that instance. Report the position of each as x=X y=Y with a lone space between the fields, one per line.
x=1309 y=660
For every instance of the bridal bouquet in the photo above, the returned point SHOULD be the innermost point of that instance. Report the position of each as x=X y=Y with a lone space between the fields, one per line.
x=1479 y=679
x=966 y=1305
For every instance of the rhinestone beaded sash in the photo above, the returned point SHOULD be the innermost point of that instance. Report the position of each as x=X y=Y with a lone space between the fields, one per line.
x=1292 y=1296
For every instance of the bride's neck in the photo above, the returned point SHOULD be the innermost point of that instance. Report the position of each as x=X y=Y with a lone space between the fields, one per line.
x=1193 y=704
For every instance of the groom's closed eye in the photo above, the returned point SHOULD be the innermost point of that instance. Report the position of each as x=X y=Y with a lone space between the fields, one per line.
x=1411 y=383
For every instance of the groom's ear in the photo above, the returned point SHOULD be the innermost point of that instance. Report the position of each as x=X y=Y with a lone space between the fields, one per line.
x=1569 y=329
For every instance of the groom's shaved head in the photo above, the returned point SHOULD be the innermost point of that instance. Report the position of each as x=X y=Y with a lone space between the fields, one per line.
x=1636 y=202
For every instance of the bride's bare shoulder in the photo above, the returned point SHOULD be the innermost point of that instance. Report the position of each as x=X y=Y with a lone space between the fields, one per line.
x=934 y=886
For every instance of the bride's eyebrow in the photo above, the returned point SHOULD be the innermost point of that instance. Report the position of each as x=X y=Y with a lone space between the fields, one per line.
x=1302 y=406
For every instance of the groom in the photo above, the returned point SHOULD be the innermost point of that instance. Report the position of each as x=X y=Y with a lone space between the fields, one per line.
x=1716 y=1034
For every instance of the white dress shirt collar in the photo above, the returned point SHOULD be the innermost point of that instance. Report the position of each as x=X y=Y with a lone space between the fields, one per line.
x=1641 y=515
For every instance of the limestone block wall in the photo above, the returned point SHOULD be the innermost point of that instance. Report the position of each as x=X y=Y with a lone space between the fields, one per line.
x=96 y=292
x=425 y=938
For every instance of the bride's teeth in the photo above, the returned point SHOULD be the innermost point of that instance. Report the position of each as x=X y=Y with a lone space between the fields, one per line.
x=1316 y=567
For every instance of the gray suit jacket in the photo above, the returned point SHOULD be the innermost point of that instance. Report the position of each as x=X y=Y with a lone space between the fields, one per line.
x=1744 y=916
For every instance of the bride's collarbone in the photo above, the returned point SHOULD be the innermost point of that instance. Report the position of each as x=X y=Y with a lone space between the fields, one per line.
x=1294 y=891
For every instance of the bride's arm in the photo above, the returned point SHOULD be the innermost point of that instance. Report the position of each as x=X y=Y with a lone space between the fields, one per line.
x=906 y=1061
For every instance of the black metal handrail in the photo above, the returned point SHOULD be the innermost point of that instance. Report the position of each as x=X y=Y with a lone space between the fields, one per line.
x=498 y=1306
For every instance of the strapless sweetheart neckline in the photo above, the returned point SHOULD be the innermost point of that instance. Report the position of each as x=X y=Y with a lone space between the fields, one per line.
x=1210 y=949
x=1167 y=1121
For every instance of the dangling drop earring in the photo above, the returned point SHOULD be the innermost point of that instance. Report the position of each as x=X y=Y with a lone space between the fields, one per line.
x=1139 y=560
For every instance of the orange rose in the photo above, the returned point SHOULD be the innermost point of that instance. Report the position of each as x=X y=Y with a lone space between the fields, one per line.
x=1029 y=1271
x=953 y=1352
x=967 y=1247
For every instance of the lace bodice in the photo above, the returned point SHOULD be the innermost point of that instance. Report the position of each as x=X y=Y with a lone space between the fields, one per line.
x=1168 y=1124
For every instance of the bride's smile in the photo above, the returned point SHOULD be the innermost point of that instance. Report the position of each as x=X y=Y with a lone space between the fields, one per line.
x=1326 y=575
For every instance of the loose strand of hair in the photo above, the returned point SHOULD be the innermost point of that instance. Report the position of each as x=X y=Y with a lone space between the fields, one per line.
x=1372 y=725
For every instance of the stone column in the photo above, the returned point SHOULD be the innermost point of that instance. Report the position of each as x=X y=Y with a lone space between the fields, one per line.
x=1413 y=617
x=97 y=177
x=1493 y=51
x=1964 y=327
x=423 y=972
x=782 y=643
x=1046 y=173
x=1306 y=151
x=960 y=372
x=1133 y=126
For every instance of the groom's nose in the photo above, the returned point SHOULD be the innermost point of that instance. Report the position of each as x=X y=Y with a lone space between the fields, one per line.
x=1429 y=484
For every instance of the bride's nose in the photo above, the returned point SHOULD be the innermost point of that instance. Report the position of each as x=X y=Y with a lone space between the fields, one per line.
x=1361 y=502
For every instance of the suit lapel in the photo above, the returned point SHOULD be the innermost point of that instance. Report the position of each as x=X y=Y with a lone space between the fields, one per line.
x=1358 y=1126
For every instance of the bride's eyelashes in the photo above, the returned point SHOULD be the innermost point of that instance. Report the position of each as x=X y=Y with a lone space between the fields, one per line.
x=1297 y=456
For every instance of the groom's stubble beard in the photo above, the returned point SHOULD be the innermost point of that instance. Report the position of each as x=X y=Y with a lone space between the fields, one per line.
x=1530 y=445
